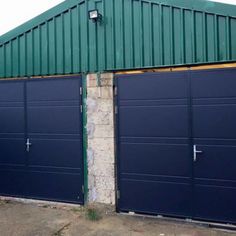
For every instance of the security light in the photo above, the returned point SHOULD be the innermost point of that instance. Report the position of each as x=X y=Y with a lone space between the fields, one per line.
x=95 y=16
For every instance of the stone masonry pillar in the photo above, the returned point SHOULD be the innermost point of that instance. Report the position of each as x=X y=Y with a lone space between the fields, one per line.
x=101 y=141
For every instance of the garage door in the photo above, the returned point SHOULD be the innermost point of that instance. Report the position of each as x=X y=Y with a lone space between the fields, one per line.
x=41 y=139
x=176 y=143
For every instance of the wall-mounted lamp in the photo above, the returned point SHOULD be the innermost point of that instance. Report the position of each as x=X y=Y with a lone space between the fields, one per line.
x=95 y=16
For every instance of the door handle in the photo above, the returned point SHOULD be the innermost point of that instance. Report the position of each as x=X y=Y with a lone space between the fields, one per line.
x=195 y=152
x=28 y=144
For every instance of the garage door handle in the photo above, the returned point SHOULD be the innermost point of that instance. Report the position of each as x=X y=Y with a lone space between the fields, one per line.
x=28 y=144
x=195 y=152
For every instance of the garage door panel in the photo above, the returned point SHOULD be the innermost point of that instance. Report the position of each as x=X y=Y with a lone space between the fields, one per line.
x=215 y=203
x=12 y=120
x=155 y=159
x=12 y=91
x=213 y=84
x=153 y=121
x=216 y=162
x=53 y=90
x=159 y=197
x=55 y=152
x=159 y=122
x=216 y=121
x=13 y=182
x=47 y=112
x=55 y=186
x=12 y=151
x=214 y=115
x=152 y=86
x=60 y=120
x=55 y=131
x=154 y=164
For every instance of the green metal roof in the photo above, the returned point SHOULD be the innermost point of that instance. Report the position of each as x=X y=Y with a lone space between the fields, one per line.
x=199 y=5
x=133 y=34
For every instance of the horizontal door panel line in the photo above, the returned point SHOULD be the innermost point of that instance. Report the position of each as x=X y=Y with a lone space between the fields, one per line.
x=215 y=186
x=53 y=172
x=75 y=100
x=48 y=134
x=213 y=98
x=151 y=175
x=216 y=145
x=214 y=101
x=156 y=181
x=213 y=105
x=54 y=139
x=54 y=106
x=152 y=100
x=16 y=102
x=12 y=107
x=132 y=139
x=164 y=105
x=54 y=167
x=215 y=180
x=13 y=138
x=157 y=144
x=222 y=104
x=153 y=137
x=4 y=106
x=151 y=103
x=213 y=139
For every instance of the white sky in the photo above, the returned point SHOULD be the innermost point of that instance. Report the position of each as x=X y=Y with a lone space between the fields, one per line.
x=16 y=12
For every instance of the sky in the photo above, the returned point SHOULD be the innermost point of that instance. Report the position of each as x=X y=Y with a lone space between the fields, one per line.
x=16 y=12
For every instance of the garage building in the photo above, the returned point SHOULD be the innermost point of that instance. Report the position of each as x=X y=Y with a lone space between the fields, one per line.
x=124 y=102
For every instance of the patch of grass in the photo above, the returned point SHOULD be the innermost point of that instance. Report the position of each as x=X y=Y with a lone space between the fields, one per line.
x=93 y=214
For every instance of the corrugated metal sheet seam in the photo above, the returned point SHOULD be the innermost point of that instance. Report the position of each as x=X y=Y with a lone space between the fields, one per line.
x=133 y=34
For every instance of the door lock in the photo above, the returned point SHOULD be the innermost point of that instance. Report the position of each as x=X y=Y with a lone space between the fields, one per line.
x=195 y=152
x=28 y=144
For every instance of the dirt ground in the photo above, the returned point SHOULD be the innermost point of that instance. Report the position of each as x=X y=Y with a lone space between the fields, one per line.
x=31 y=219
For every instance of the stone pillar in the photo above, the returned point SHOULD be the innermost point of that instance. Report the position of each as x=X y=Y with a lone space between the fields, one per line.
x=101 y=142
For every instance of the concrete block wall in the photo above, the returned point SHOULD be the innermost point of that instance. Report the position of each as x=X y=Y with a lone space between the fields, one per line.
x=101 y=139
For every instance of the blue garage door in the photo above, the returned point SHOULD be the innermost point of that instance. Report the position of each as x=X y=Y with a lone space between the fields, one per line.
x=176 y=144
x=41 y=139
x=214 y=133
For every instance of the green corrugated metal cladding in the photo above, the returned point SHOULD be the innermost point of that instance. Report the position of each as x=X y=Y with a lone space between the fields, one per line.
x=133 y=34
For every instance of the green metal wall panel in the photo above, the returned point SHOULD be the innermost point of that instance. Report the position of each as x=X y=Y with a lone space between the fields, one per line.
x=133 y=34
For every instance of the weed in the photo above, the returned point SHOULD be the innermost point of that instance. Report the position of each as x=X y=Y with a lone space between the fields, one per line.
x=93 y=214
